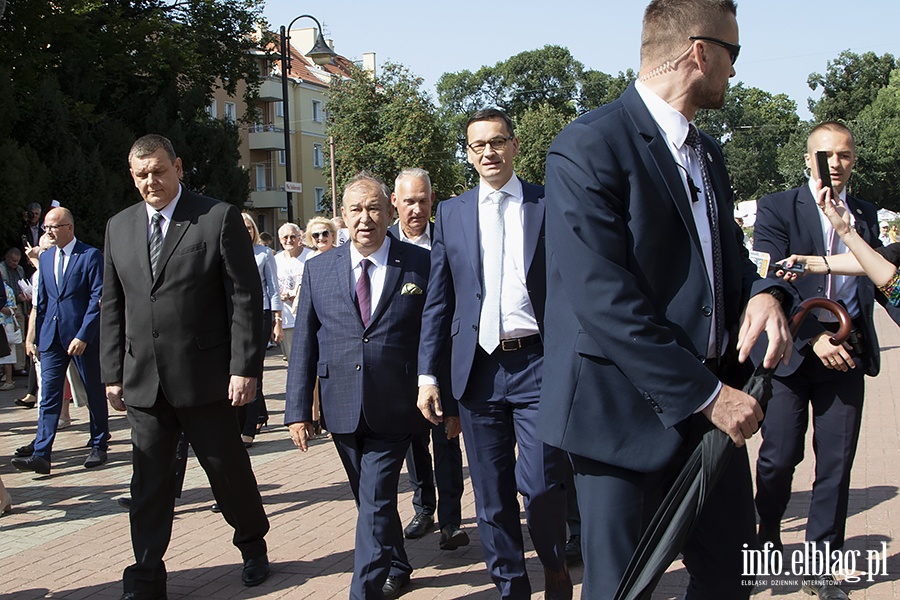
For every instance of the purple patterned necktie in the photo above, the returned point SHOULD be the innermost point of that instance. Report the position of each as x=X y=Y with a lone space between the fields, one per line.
x=693 y=140
x=364 y=293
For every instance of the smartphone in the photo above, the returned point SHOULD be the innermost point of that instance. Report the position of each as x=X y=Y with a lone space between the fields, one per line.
x=798 y=268
x=824 y=169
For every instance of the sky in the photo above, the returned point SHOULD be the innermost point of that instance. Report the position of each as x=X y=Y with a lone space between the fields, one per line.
x=780 y=43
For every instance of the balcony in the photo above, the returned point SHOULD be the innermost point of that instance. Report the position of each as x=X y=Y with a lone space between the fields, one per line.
x=270 y=89
x=266 y=137
x=269 y=199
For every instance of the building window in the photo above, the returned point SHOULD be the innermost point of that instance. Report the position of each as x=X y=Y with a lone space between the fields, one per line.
x=317 y=111
x=211 y=108
x=279 y=109
x=281 y=158
x=230 y=112
x=320 y=200
x=318 y=160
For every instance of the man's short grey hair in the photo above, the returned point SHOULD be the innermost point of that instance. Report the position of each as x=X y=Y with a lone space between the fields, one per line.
x=150 y=143
x=364 y=179
x=35 y=207
x=289 y=228
x=413 y=172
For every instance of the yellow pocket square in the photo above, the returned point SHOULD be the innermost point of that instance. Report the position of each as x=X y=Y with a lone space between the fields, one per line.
x=410 y=289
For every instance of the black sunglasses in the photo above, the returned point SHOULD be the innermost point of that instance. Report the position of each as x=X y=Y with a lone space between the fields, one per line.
x=317 y=234
x=733 y=49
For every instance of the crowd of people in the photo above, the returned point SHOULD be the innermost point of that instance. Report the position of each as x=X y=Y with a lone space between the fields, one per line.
x=627 y=273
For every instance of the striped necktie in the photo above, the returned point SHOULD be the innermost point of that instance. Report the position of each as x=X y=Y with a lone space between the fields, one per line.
x=156 y=242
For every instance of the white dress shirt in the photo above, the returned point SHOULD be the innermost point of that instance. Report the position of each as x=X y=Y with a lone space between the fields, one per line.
x=64 y=254
x=377 y=271
x=166 y=215
x=674 y=128
x=516 y=313
x=844 y=285
x=423 y=241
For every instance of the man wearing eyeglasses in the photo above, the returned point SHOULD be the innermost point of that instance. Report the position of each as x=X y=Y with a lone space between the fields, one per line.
x=647 y=283
x=486 y=293
x=67 y=328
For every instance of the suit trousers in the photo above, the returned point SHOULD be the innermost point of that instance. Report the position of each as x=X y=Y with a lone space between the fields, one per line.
x=447 y=473
x=836 y=399
x=212 y=430
x=617 y=504
x=54 y=364
x=252 y=414
x=498 y=412
x=372 y=462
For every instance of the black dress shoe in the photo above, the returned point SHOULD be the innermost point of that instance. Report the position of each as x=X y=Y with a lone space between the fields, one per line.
x=452 y=537
x=124 y=502
x=394 y=585
x=25 y=403
x=420 y=525
x=557 y=584
x=136 y=596
x=25 y=451
x=96 y=458
x=33 y=463
x=573 y=550
x=215 y=508
x=824 y=587
x=256 y=570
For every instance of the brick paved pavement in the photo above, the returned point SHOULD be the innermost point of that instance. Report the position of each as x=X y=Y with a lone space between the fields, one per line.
x=67 y=537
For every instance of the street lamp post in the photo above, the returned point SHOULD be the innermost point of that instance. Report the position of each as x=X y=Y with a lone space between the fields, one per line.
x=320 y=54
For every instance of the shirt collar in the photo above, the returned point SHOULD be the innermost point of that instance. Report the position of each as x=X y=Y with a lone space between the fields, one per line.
x=404 y=238
x=166 y=212
x=68 y=248
x=513 y=188
x=377 y=258
x=671 y=122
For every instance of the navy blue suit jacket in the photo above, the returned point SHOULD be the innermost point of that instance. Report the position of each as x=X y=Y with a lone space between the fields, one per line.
x=71 y=310
x=630 y=300
x=363 y=371
x=453 y=306
x=788 y=223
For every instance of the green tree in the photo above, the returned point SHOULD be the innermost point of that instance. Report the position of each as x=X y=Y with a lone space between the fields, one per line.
x=850 y=83
x=751 y=127
x=877 y=176
x=388 y=123
x=599 y=88
x=81 y=79
x=536 y=129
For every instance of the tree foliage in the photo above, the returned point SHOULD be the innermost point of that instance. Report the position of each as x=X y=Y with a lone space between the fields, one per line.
x=752 y=127
x=536 y=129
x=386 y=124
x=81 y=79
x=878 y=140
x=850 y=83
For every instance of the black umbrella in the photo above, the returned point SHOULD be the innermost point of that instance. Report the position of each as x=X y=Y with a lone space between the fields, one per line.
x=671 y=525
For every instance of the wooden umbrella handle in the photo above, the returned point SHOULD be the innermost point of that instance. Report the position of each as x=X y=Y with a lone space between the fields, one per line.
x=831 y=306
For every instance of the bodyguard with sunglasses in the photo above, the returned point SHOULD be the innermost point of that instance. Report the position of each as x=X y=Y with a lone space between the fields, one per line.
x=647 y=280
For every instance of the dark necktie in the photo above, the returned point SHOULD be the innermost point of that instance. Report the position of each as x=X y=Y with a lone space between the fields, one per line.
x=364 y=293
x=156 y=241
x=693 y=140
x=59 y=268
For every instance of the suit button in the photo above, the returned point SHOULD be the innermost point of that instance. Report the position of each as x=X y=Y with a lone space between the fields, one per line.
x=475 y=327
x=702 y=359
x=478 y=296
x=365 y=340
x=153 y=298
x=707 y=311
x=820 y=290
x=156 y=334
x=358 y=367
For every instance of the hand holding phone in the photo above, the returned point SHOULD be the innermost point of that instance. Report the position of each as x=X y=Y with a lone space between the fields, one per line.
x=798 y=268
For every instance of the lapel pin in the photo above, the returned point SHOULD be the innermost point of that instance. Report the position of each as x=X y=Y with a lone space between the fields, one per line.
x=859 y=211
x=709 y=157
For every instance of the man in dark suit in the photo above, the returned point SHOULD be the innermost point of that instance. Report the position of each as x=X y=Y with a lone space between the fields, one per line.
x=647 y=284
x=413 y=198
x=486 y=294
x=827 y=378
x=66 y=328
x=181 y=330
x=358 y=323
x=30 y=233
